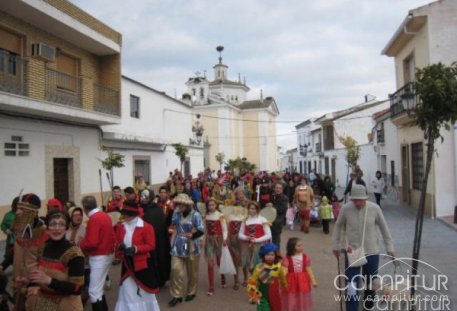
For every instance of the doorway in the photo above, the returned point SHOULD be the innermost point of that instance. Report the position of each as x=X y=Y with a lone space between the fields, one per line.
x=405 y=171
x=334 y=170
x=61 y=179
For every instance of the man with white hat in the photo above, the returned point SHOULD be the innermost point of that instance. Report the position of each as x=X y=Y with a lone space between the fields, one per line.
x=357 y=223
x=185 y=249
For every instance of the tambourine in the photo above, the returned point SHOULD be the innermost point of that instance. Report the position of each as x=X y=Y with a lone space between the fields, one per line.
x=115 y=217
x=201 y=208
x=269 y=213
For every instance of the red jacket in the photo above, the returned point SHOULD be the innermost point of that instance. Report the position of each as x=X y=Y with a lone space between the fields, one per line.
x=114 y=205
x=99 y=238
x=143 y=239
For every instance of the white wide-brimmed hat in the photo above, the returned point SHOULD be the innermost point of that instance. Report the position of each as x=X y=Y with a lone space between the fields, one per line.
x=358 y=192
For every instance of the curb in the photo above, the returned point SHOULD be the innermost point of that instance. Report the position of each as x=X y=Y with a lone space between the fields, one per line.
x=451 y=226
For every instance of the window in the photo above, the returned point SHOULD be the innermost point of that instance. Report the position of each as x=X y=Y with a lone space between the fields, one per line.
x=380 y=133
x=194 y=92
x=16 y=147
x=409 y=69
x=142 y=167
x=134 y=106
x=202 y=93
x=10 y=49
x=8 y=62
x=417 y=159
x=67 y=67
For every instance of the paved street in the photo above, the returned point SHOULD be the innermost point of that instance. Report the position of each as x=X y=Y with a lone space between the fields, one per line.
x=438 y=249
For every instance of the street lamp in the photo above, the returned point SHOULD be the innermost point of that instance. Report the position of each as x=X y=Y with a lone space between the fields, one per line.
x=198 y=130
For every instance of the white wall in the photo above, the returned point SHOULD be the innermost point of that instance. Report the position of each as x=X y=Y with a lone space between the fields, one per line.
x=158 y=117
x=442 y=25
x=162 y=120
x=29 y=172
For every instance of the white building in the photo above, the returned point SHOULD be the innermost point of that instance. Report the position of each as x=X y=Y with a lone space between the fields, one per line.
x=59 y=82
x=151 y=122
x=426 y=36
x=232 y=124
x=319 y=146
x=385 y=140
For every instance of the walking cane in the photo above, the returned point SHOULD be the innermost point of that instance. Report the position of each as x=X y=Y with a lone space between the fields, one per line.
x=109 y=181
x=101 y=186
x=339 y=282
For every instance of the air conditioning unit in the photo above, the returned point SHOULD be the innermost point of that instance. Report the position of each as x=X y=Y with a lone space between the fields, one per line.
x=44 y=51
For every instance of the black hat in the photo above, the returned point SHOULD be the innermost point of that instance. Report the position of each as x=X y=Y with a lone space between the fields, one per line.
x=129 y=190
x=130 y=208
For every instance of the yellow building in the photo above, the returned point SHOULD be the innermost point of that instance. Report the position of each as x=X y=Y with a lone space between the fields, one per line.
x=232 y=124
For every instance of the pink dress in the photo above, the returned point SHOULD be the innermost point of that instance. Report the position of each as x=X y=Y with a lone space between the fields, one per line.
x=297 y=294
x=336 y=209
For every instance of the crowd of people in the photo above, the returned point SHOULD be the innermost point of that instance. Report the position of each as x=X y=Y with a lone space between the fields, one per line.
x=63 y=259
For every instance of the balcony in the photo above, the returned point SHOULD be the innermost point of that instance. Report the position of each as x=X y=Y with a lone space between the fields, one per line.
x=318 y=147
x=65 y=90
x=380 y=136
x=402 y=105
x=12 y=73
x=106 y=100
x=62 y=88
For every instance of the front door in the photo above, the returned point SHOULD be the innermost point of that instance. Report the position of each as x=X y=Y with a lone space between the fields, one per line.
x=61 y=184
x=405 y=174
x=327 y=166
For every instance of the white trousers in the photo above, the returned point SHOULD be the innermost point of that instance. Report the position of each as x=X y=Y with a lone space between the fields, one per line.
x=131 y=298
x=99 y=268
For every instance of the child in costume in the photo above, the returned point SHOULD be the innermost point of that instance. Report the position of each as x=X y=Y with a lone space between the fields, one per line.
x=325 y=214
x=216 y=237
x=290 y=216
x=300 y=278
x=336 y=206
x=254 y=232
x=266 y=280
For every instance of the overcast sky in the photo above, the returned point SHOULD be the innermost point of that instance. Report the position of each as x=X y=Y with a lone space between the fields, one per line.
x=311 y=56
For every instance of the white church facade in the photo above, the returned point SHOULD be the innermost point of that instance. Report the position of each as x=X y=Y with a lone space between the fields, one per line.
x=233 y=124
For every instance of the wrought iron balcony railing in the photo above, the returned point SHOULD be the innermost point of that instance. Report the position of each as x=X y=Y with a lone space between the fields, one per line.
x=106 y=100
x=62 y=88
x=12 y=73
x=403 y=101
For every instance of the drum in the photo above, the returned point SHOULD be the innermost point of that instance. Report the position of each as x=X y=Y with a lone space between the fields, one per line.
x=115 y=217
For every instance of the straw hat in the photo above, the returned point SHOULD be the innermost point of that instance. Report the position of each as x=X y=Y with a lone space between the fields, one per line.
x=183 y=198
x=358 y=192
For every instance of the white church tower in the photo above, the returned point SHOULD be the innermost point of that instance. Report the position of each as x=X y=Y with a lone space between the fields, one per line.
x=232 y=124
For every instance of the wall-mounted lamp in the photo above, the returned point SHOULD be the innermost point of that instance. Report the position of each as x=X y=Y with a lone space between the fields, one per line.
x=198 y=130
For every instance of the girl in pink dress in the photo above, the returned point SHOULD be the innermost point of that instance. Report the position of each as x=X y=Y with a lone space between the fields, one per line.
x=300 y=278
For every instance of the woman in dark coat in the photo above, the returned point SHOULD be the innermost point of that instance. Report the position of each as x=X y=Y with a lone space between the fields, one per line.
x=160 y=257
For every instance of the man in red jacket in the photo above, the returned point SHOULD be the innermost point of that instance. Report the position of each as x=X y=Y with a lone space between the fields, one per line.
x=98 y=245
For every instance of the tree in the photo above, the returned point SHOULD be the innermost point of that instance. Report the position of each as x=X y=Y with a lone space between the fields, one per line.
x=220 y=158
x=111 y=161
x=240 y=164
x=181 y=151
x=435 y=89
x=352 y=152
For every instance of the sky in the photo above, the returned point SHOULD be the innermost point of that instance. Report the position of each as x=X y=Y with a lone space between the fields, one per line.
x=313 y=57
